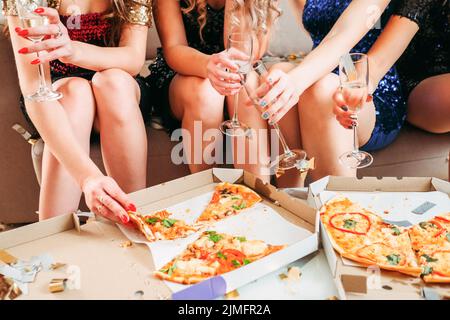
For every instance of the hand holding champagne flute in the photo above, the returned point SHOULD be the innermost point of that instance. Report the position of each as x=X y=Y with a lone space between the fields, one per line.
x=354 y=78
x=28 y=11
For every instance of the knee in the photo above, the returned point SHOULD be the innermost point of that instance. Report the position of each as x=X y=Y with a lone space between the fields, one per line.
x=318 y=99
x=76 y=91
x=72 y=88
x=112 y=81
x=116 y=94
x=201 y=100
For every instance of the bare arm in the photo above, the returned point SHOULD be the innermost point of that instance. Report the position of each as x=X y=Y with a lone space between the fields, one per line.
x=129 y=55
x=359 y=17
x=188 y=61
x=389 y=46
x=179 y=56
x=49 y=117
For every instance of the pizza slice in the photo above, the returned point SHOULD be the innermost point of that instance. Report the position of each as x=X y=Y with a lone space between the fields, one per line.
x=362 y=236
x=214 y=254
x=228 y=199
x=431 y=242
x=159 y=226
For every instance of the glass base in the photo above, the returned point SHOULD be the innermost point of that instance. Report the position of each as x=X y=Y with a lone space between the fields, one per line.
x=234 y=129
x=356 y=160
x=43 y=95
x=291 y=159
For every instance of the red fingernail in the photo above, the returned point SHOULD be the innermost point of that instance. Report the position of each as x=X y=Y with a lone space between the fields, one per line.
x=47 y=37
x=37 y=61
x=18 y=29
x=23 y=50
x=23 y=32
x=131 y=207
x=39 y=10
x=125 y=219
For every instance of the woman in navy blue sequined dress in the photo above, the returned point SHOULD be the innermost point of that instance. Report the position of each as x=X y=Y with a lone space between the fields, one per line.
x=336 y=27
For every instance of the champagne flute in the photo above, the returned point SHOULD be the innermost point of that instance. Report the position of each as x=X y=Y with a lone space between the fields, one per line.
x=240 y=47
x=354 y=79
x=290 y=158
x=30 y=19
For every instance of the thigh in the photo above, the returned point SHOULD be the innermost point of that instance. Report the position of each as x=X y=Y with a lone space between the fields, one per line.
x=194 y=93
x=78 y=99
x=429 y=104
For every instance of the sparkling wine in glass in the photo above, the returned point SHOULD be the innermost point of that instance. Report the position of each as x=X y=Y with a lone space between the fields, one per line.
x=290 y=158
x=240 y=48
x=354 y=79
x=29 y=19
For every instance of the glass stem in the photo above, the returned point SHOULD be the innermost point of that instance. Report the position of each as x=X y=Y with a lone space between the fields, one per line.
x=235 y=119
x=42 y=81
x=282 y=140
x=355 y=139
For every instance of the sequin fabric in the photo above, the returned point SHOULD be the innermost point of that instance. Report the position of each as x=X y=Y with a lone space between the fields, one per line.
x=139 y=12
x=161 y=74
x=319 y=16
x=429 y=51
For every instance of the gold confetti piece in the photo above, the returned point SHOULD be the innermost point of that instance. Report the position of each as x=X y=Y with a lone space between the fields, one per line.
x=333 y=298
x=57 y=285
x=5 y=287
x=15 y=292
x=294 y=274
x=7 y=258
x=126 y=244
x=282 y=276
x=231 y=295
x=57 y=265
x=279 y=172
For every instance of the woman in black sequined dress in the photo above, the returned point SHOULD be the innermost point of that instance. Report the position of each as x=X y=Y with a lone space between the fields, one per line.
x=424 y=67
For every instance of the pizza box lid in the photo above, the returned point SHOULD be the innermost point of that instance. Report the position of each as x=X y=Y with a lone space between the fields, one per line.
x=354 y=281
x=109 y=271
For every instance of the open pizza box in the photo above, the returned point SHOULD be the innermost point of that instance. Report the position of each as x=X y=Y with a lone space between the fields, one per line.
x=111 y=270
x=393 y=199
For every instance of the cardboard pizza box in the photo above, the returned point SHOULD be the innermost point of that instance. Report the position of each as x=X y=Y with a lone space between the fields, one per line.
x=357 y=282
x=108 y=269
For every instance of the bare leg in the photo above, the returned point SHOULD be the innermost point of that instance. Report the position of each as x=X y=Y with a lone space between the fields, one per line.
x=122 y=129
x=290 y=127
x=323 y=137
x=194 y=101
x=251 y=154
x=429 y=104
x=60 y=194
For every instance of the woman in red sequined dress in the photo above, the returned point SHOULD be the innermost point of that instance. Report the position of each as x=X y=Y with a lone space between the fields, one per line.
x=94 y=51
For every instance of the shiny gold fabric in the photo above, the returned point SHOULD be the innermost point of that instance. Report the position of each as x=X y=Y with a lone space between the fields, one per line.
x=137 y=11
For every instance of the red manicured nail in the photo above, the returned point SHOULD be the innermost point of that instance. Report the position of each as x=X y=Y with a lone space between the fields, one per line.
x=125 y=219
x=39 y=10
x=23 y=50
x=132 y=207
x=47 y=37
x=37 y=61
x=17 y=29
x=23 y=32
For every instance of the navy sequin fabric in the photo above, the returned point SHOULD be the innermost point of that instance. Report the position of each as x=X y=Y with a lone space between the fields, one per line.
x=319 y=16
x=161 y=74
x=429 y=52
